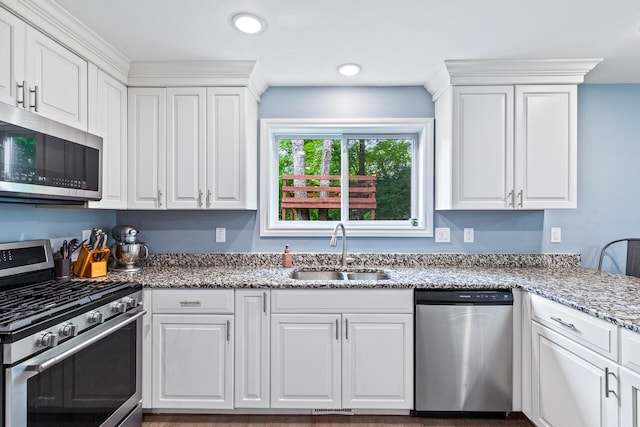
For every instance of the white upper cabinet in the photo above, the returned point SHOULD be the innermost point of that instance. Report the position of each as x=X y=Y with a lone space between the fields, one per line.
x=108 y=119
x=146 y=148
x=57 y=80
x=231 y=149
x=186 y=148
x=546 y=146
x=39 y=74
x=12 y=31
x=482 y=146
x=506 y=133
x=209 y=160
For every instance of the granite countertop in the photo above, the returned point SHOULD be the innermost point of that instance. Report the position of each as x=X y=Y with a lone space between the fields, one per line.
x=612 y=297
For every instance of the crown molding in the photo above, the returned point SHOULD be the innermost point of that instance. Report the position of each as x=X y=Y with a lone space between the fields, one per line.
x=509 y=71
x=55 y=21
x=197 y=73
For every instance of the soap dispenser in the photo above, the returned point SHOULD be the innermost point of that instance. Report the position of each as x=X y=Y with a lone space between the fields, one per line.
x=287 y=258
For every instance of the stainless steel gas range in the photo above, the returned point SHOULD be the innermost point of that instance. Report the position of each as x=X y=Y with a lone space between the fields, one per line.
x=71 y=350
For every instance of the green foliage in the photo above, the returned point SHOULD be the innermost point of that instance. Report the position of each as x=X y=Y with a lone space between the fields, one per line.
x=388 y=159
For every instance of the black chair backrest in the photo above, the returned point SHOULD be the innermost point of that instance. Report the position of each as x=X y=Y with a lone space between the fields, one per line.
x=633 y=256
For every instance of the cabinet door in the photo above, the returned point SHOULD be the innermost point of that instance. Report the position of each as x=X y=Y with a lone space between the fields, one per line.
x=630 y=398
x=109 y=105
x=231 y=149
x=192 y=361
x=569 y=383
x=546 y=147
x=146 y=148
x=58 y=78
x=377 y=362
x=11 y=57
x=305 y=361
x=252 y=349
x=482 y=147
x=186 y=148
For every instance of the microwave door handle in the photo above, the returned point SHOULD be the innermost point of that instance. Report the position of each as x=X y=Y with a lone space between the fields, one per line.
x=66 y=354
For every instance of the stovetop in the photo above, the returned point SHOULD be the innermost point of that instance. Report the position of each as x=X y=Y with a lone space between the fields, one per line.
x=30 y=304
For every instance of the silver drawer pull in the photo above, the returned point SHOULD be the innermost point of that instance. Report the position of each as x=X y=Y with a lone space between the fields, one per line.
x=563 y=323
x=191 y=303
x=606 y=383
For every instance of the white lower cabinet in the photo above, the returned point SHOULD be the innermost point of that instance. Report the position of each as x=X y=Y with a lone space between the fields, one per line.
x=630 y=398
x=344 y=359
x=377 y=361
x=193 y=347
x=305 y=361
x=193 y=361
x=252 y=348
x=571 y=385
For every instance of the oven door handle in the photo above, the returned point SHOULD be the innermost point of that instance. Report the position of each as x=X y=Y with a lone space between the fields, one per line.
x=60 y=357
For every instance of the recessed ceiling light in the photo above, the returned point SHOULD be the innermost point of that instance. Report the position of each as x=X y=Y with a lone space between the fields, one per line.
x=248 y=23
x=349 y=69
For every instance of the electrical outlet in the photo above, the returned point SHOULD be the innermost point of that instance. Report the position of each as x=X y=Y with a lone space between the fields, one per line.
x=556 y=234
x=221 y=234
x=468 y=235
x=443 y=235
x=86 y=234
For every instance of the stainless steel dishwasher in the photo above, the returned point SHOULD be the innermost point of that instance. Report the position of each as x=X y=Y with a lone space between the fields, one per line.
x=463 y=351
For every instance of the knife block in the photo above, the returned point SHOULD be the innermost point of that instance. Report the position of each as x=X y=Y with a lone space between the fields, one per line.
x=91 y=263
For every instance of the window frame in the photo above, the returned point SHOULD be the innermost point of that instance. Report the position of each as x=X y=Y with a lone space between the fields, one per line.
x=422 y=174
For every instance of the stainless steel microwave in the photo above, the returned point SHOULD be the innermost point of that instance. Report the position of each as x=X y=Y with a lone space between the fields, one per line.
x=43 y=161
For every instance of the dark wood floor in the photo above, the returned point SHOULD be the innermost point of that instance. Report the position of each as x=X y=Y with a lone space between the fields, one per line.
x=515 y=420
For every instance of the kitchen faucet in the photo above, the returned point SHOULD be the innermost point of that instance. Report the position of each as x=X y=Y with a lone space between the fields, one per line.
x=334 y=241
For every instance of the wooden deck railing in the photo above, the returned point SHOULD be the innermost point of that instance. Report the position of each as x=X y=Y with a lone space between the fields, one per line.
x=324 y=192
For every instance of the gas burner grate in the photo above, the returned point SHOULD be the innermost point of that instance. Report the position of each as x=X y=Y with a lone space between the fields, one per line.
x=28 y=304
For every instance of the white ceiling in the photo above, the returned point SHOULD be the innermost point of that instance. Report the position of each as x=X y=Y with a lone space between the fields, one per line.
x=397 y=42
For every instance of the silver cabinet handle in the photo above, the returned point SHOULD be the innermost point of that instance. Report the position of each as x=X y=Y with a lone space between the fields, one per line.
x=607 y=392
x=563 y=323
x=228 y=330
x=520 y=196
x=264 y=302
x=159 y=198
x=191 y=302
x=346 y=329
x=208 y=198
x=337 y=328
x=25 y=95
x=199 y=198
x=510 y=197
x=35 y=98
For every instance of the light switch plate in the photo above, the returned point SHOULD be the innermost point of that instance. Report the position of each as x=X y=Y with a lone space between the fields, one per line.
x=468 y=235
x=556 y=234
x=443 y=235
x=221 y=234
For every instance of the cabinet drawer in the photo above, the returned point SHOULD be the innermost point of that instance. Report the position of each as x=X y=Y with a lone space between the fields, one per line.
x=212 y=301
x=342 y=301
x=631 y=349
x=596 y=334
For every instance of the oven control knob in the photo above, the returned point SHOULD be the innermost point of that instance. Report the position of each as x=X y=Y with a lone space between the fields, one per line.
x=130 y=302
x=119 y=307
x=48 y=339
x=68 y=330
x=95 y=317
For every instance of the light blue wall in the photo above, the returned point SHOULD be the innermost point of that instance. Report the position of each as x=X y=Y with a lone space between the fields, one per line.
x=608 y=177
x=26 y=222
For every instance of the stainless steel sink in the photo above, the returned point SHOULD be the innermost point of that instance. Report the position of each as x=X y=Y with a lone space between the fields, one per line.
x=368 y=275
x=317 y=275
x=338 y=275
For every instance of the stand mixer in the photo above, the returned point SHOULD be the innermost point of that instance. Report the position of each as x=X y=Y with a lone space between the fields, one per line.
x=127 y=250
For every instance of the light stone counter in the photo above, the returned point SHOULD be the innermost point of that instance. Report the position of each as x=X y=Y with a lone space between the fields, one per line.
x=613 y=297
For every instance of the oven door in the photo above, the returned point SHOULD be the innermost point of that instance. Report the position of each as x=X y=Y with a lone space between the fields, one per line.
x=93 y=379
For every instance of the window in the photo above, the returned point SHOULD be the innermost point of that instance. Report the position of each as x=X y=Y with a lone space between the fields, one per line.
x=375 y=176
